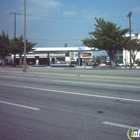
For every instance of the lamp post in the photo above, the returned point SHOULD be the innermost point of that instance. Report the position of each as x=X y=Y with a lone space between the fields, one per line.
x=79 y=55
x=129 y=15
x=15 y=14
x=24 y=70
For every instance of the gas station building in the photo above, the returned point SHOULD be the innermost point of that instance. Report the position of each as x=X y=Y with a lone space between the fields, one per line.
x=56 y=55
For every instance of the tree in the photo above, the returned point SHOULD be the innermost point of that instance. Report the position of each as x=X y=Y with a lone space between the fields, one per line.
x=17 y=47
x=134 y=46
x=108 y=37
x=4 y=46
x=67 y=52
x=66 y=45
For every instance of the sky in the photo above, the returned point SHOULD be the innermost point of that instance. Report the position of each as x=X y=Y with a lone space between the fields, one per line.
x=54 y=23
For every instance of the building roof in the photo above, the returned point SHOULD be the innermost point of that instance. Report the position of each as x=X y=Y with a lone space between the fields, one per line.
x=133 y=36
x=62 y=49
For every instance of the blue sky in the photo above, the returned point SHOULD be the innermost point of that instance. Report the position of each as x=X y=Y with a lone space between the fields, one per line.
x=52 y=23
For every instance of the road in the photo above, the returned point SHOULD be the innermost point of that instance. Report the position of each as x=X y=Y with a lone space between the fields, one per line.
x=36 y=107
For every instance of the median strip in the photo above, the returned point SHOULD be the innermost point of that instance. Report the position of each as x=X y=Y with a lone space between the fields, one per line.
x=86 y=76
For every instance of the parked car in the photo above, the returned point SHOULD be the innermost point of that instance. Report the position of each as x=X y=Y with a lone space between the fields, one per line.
x=89 y=64
x=30 y=63
x=58 y=62
x=12 y=63
x=73 y=63
x=0 y=62
x=119 y=66
x=135 y=65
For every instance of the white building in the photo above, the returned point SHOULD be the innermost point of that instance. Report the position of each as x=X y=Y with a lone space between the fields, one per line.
x=126 y=53
x=46 y=55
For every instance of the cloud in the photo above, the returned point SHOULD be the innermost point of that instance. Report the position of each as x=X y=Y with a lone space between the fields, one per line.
x=69 y=13
x=36 y=9
x=137 y=9
x=40 y=7
x=48 y=4
x=89 y=13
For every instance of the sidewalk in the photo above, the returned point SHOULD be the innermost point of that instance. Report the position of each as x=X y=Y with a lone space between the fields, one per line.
x=56 y=74
x=67 y=66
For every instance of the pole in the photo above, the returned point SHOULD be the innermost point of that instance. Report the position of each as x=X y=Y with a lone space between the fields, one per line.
x=15 y=14
x=24 y=70
x=129 y=15
x=79 y=55
x=14 y=25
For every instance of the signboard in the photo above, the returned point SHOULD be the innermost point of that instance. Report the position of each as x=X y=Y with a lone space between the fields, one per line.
x=86 y=55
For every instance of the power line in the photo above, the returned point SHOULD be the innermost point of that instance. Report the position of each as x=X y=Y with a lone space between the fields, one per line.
x=15 y=14
x=51 y=17
x=55 y=39
x=3 y=16
x=136 y=29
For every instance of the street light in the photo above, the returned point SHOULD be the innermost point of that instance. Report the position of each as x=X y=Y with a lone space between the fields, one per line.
x=129 y=15
x=15 y=14
x=79 y=55
x=24 y=70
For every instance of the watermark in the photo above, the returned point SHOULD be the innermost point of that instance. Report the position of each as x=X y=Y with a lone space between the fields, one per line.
x=133 y=134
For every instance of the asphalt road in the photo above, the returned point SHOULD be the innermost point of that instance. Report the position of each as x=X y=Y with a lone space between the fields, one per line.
x=35 y=107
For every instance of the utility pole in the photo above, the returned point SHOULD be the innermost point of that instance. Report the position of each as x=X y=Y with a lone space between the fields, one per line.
x=129 y=15
x=24 y=70
x=79 y=55
x=15 y=14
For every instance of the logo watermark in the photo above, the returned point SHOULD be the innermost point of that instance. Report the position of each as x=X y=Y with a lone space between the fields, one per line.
x=133 y=134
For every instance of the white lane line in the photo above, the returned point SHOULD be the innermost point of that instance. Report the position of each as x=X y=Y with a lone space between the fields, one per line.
x=95 y=84
x=19 y=105
x=74 y=93
x=120 y=125
x=8 y=76
x=110 y=85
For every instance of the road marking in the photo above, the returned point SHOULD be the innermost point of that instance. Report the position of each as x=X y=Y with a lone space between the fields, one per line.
x=95 y=84
x=74 y=93
x=8 y=76
x=19 y=105
x=121 y=125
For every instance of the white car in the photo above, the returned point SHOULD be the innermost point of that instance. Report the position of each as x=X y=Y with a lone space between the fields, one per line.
x=121 y=64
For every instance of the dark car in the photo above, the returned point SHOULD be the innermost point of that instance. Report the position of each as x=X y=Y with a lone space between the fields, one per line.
x=12 y=63
x=73 y=63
